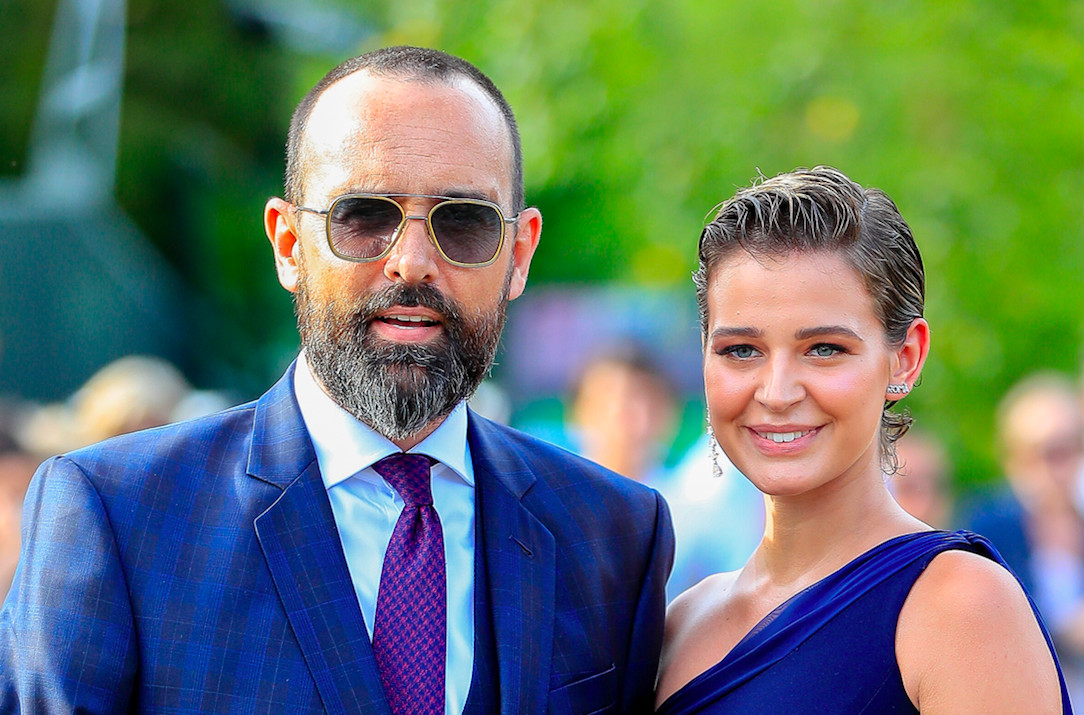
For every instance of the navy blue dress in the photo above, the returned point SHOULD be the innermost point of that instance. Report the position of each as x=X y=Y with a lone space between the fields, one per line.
x=831 y=648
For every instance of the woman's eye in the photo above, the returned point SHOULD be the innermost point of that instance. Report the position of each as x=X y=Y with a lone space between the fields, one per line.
x=826 y=350
x=742 y=352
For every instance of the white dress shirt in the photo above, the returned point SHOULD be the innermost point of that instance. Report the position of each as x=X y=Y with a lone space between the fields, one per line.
x=366 y=509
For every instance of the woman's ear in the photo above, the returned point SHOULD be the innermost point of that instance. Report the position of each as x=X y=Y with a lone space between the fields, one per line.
x=910 y=357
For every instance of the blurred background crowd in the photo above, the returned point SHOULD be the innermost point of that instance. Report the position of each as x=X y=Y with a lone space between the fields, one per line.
x=140 y=139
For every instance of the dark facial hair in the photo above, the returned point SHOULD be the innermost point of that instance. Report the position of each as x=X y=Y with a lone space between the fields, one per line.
x=398 y=389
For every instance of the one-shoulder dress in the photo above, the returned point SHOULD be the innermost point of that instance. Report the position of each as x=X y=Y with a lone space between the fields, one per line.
x=831 y=648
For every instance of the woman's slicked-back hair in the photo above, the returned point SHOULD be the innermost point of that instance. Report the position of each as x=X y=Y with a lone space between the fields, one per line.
x=820 y=210
x=415 y=64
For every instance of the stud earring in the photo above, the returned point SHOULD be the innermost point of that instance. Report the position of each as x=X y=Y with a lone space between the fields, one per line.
x=898 y=389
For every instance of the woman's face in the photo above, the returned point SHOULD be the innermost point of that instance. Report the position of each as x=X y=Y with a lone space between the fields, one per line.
x=796 y=364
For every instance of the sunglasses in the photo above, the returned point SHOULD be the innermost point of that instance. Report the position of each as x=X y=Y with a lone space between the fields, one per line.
x=364 y=227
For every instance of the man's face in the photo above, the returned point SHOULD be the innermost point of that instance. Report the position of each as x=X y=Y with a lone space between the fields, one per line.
x=1045 y=447
x=399 y=341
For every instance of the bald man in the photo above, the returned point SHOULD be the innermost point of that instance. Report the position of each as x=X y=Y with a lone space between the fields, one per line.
x=357 y=540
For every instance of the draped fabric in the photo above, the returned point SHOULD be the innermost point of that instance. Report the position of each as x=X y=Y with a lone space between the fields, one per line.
x=831 y=647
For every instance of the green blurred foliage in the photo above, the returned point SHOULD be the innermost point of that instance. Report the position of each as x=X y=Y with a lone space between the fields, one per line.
x=637 y=117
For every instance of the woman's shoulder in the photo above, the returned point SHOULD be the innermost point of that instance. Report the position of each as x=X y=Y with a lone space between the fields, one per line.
x=699 y=602
x=689 y=617
x=968 y=631
x=968 y=591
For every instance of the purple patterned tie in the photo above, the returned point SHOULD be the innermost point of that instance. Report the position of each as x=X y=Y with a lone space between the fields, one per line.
x=410 y=622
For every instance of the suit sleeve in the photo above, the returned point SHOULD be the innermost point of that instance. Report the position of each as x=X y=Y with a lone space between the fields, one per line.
x=67 y=637
x=645 y=641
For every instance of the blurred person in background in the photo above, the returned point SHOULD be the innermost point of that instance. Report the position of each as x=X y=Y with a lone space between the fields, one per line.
x=718 y=515
x=357 y=540
x=624 y=411
x=923 y=484
x=17 y=465
x=1080 y=474
x=1033 y=517
x=131 y=393
x=623 y=414
x=16 y=469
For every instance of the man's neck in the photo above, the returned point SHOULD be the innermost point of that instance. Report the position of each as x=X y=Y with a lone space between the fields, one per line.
x=407 y=443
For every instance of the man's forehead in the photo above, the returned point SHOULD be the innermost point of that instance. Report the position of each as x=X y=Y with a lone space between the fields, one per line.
x=1043 y=416
x=363 y=97
x=363 y=122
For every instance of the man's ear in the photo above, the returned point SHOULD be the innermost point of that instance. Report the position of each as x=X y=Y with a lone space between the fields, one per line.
x=281 y=233
x=524 y=243
x=911 y=356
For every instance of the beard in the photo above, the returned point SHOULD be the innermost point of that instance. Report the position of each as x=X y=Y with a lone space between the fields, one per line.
x=397 y=389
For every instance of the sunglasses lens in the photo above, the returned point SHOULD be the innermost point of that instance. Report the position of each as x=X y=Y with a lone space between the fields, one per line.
x=467 y=232
x=363 y=227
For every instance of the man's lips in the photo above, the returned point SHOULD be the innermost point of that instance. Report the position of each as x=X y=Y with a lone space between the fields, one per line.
x=418 y=321
x=407 y=321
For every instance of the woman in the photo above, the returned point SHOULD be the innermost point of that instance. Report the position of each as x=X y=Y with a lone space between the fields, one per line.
x=811 y=294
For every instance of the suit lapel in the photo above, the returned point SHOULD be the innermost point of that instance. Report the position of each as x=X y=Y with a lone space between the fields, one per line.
x=521 y=570
x=304 y=554
x=301 y=544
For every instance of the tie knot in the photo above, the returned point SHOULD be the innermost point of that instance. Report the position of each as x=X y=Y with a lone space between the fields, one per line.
x=407 y=474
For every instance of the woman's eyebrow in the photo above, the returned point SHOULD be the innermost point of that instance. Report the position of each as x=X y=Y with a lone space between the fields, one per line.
x=727 y=332
x=822 y=330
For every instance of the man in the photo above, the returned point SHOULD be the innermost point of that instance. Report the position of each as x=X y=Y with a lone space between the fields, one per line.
x=287 y=556
x=923 y=484
x=1032 y=517
x=624 y=412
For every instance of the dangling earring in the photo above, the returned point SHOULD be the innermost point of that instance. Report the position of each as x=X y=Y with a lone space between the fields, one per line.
x=716 y=470
x=900 y=388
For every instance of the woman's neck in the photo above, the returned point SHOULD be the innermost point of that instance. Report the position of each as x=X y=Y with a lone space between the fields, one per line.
x=808 y=536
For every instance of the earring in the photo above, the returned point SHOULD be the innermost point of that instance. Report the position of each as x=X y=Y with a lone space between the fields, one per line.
x=716 y=470
x=898 y=389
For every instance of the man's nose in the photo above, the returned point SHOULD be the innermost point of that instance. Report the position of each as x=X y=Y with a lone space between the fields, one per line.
x=413 y=258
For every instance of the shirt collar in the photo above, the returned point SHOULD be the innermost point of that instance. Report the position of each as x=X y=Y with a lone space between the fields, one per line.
x=344 y=445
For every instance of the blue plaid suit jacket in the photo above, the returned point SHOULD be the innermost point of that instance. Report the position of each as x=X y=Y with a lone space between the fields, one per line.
x=196 y=568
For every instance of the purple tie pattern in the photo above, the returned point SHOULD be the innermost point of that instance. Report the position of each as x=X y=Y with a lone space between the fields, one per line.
x=409 y=638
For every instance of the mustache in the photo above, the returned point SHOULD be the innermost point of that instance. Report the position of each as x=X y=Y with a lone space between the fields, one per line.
x=408 y=296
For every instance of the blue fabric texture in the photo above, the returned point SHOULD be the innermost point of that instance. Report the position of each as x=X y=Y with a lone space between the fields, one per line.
x=196 y=568
x=831 y=647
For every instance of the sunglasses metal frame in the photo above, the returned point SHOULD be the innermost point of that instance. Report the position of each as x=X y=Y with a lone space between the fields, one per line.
x=391 y=198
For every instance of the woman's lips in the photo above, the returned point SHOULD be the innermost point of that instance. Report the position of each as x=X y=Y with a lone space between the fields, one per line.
x=783 y=439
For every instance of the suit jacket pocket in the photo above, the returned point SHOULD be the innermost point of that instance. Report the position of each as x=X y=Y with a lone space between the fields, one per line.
x=588 y=695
